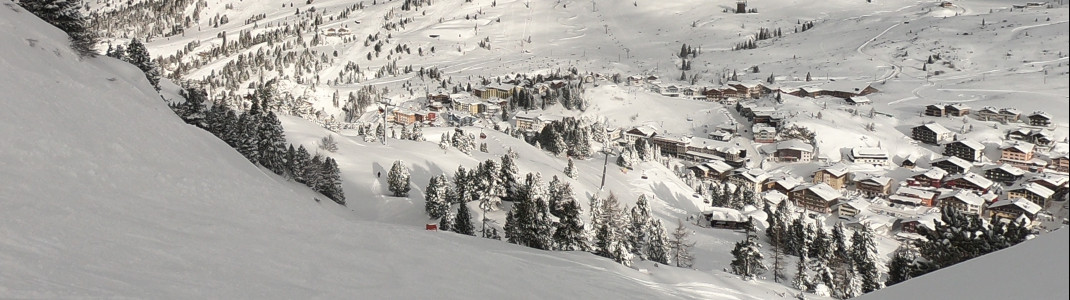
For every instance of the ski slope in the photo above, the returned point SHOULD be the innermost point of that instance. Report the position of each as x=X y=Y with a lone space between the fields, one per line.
x=107 y=194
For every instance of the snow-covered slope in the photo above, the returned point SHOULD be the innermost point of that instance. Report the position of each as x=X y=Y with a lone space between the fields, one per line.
x=1036 y=269
x=107 y=194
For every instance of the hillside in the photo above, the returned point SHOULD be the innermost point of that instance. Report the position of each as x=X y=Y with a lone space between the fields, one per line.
x=108 y=194
x=1032 y=270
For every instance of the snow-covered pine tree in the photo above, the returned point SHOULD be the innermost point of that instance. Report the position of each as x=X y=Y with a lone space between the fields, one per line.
x=747 y=259
x=444 y=141
x=801 y=281
x=138 y=55
x=905 y=264
x=680 y=246
x=462 y=223
x=864 y=255
x=446 y=222
x=300 y=164
x=67 y=16
x=570 y=169
x=798 y=241
x=462 y=185
x=398 y=179
x=611 y=237
x=508 y=176
x=640 y=228
x=406 y=134
x=529 y=223
x=272 y=143
x=658 y=247
x=570 y=234
x=436 y=197
x=330 y=184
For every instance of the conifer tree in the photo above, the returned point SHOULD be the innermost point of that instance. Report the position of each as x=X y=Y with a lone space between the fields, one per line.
x=529 y=223
x=570 y=169
x=436 y=197
x=398 y=179
x=330 y=184
x=138 y=55
x=905 y=264
x=569 y=234
x=67 y=16
x=463 y=221
x=864 y=255
x=801 y=281
x=640 y=228
x=508 y=176
x=747 y=259
x=611 y=234
x=658 y=247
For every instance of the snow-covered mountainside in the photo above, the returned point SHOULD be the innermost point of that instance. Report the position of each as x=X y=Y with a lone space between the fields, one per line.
x=108 y=194
x=1033 y=270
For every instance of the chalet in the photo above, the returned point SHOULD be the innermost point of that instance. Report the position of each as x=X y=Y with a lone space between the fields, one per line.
x=964 y=201
x=956 y=110
x=929 y=178
x=726 y=218
x=784 y=185
x=1040 y=119
x=714 y=169
x=849 y=209
x=967 y=150
x=912 y=197
x=858 y=100
x=751 y=179
x=671 y=144
x=969 y=181
x=988 y=113
x=834 y=176
x=946 y=4
x=874 y=186
x=640 y=132
x=690 y=92
x=1021 y=134
x=534 y=122
x=1042 y=139
x=441 y=96
x=749 y=89
x=1057 y=183
x=1020 y=155
x=1007 y=115
x=764 y=133
x=934 y=110
x=1033 y=192
x=721 y=93
x=915 y=224
x=952 y=164
x=818 y=197
x=1003 y=173
x=909 y=162
x=794 y=150
x=1013 y=208
x=871 y=156
x=932 y=133
x=1060 y=163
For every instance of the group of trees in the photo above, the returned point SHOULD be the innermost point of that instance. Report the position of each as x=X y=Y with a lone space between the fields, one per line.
x=957 y=237
x=640 y=150
x=258 y=135
x=136 y=54
x=67 y=16
x=489 y=183
x=725 y=195
x=624 y=234
x=568 y=136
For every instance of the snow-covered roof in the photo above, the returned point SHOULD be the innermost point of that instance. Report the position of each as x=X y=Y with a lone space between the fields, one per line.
x=1020 y=147
x=838 y=170
x=841 y=86
x=868 y=153
x=856 y=203
x=752 y=175
x=794 y=144
x=914 y=193
x=724 y=214
x=974 y=179
x=1051 y=179
x=1025 y=205
x=971 y=144
x=936 y=128
x=1009 y=169
x=822 y=190
x=1040 y=114
x=705 y=143
x=934 y=173
x=716 y=165
x=465 y=99
x=955 y=160
x=965 y=196
x=789 y=182
x=1034 y=188
x=859 y=99
x=878 y=180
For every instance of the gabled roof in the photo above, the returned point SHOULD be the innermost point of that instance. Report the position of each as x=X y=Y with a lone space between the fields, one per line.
x=974 y=179
x=724 y=214
x=935 y=128
x=822 y=190
x=879 y=180
x=1020 y=147
x=1035 y=189
x=1023 y=204
x=958 y=106
x=859 y=99
x=1005 y=168
x=1040 y=115
x=838 y=170
x=718 y=166
x=856 y=203
x=914 y=193
x=1051 y=179
x=962 y=163
x=965 y=196
x=969 y=144
x=934 y=173
x=752 y=175
x=989 y=109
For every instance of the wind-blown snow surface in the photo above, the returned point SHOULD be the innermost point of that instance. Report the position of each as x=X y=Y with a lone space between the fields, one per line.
x=1032 y=270
x=107 y=194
